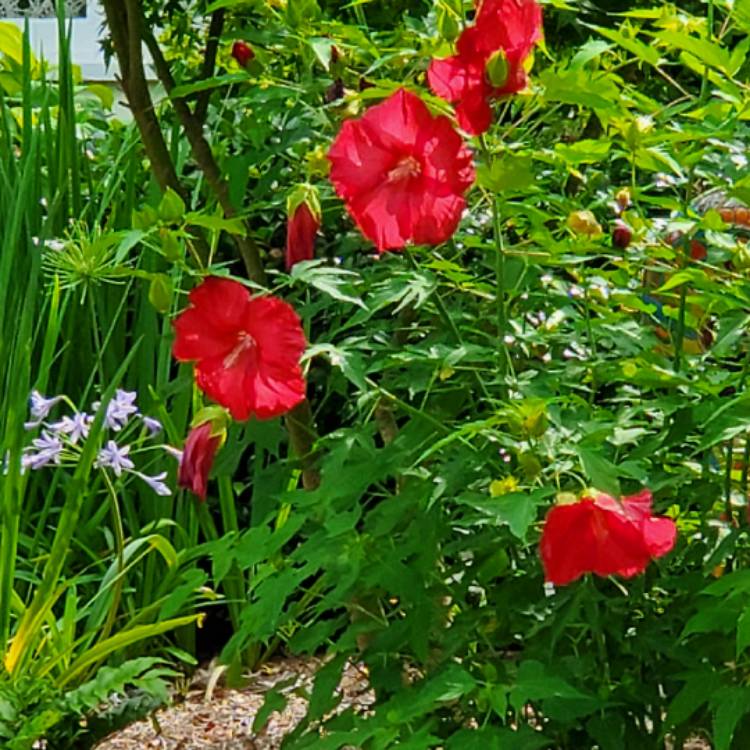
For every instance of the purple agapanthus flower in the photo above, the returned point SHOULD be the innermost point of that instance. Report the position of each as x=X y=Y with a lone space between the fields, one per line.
x=152 y=425
x=156 y=483
x=48 y=450
x=75 y=427
x=119 y=409
x=112 y=456
x=40 y=407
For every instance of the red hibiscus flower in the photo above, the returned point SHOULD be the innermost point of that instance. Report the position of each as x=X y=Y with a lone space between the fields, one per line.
x=489 y=62
x=247 y=349
x=197 y=460
x=242 y=52
x=302 y=226
x=402 y=173
x=603 y=536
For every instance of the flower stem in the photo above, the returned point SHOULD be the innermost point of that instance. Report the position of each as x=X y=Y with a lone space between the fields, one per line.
x=448 y=320
x=119 y=581
x=500 y=293
x=679 y=336
x=709 y=36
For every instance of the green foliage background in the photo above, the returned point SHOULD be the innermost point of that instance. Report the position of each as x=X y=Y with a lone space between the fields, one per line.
x=454 y=404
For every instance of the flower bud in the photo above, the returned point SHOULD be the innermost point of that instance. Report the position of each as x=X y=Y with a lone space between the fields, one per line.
x=242 y=52
x=303 y=223
x=621 y=235
x=585 y=223
x=623 y=199
x=498 y=69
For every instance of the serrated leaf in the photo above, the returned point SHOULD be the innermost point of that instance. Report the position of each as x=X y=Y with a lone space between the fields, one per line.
x=601 y=471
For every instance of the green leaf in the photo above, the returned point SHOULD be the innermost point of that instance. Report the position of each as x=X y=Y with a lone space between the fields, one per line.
x=581 y=87
x=216 y=223
x=586 y=151
x=335 y=282
x=601 y=471
x=706 y=51
x=510 y=172
x=206 y=84
x=642 y=51
x=695 y=692
x=516 y=509
x=274 y=701
x=743 y=632
x=730 y=704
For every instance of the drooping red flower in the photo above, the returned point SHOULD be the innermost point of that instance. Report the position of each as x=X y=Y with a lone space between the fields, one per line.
x=247 y=349
x=402 y=173
x=490 y=60
x=197 y=460
x=242 y=52
x=302 y=226
x=603 y=536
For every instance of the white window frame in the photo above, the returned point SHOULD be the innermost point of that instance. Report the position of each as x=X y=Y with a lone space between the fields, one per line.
x=85 y=47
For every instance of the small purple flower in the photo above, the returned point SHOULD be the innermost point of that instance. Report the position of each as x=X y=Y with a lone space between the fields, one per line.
x=49 y=447
x=115 y=458
x=40 y=407
x=119 y=409
x=75 y=427
x=156 y=483
x=152 y=425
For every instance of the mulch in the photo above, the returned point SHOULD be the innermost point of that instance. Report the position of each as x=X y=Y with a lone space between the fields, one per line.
x=213 y=717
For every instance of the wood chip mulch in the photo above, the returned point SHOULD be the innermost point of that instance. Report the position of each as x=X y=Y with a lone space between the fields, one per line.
x=213 y=717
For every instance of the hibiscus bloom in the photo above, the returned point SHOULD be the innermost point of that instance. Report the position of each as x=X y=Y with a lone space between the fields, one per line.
x=603 y=536
x=489 y=62
x=301 y=229
x=402 y=173
x=197 y=460
x=247 y=349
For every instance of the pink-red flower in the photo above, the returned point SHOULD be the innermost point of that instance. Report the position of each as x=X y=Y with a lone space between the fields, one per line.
x=603 y=536
x=490 y=60
x=247 y=349
x=402 y=173
x=197 y=460
x=242 y=52
x=302 y=226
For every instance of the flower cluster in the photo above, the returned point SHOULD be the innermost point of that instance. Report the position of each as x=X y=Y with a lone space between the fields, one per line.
x=403 y=173
x=603 y=536
x=247 y=351
x=60 y=442
x=490 y=60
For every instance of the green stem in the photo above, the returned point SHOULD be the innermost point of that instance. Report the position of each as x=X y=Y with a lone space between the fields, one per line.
x=234 y=583
x=710 y=35
x=679 y=336
x=119 y=582
x=448 y=320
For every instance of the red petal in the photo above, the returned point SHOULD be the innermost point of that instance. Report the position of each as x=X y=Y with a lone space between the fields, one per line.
x=397 y=122
x=567 y=543
x=474 y=112
x=357 y=163
x=208 y=328
x=448 y=78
